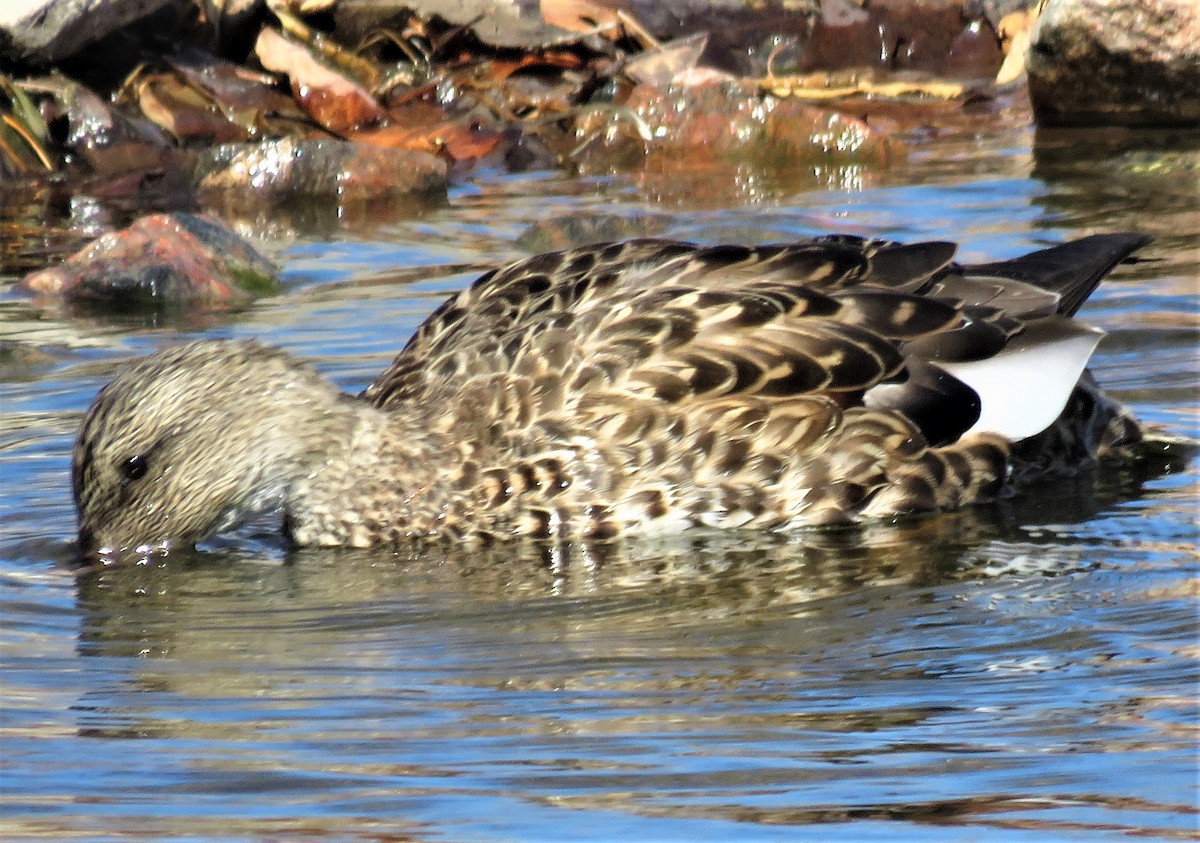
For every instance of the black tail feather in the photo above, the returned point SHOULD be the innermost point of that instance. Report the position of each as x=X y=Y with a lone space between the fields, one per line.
x=1073 y=270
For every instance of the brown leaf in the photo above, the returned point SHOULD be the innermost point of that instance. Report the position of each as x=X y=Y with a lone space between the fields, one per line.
x=1015 y=30
x=247 y=98
x=182 y=110
x=336 y=102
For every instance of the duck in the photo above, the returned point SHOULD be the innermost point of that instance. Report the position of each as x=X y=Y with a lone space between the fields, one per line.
x=643 y=387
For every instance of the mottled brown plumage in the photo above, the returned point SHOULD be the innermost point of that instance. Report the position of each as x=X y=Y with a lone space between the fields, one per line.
x=648 y=386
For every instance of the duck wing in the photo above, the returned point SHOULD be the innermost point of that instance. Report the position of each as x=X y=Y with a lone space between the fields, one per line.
x=848 y=321
x=622 y=301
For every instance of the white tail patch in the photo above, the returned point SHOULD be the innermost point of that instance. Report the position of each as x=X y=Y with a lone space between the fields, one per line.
x=1024 y=388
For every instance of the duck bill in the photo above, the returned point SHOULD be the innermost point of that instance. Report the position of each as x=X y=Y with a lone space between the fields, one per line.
x=97 y=551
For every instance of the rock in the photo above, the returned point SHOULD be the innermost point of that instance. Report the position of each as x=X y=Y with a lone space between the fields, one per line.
x=348 y=172
x=21 y=361
x=45 y=31
x=726 y=120
x=500 y=23
x=106 y=139
x=719 y=142
x=931 y=36
x=163 y=260
x=974 y=52
x=1116 y=62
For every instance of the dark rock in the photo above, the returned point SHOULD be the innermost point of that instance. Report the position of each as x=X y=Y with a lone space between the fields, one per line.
x=974 y=52
x=1116 y=62
x=162 y=260
x=99 y=39
x=44 y=31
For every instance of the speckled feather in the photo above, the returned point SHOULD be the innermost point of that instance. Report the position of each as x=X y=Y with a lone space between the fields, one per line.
x=653 y=386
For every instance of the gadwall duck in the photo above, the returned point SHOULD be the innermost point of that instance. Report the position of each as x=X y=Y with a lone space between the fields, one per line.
x=641 y=387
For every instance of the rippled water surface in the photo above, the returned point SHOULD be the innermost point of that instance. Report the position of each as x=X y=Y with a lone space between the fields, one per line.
x=1023 y=671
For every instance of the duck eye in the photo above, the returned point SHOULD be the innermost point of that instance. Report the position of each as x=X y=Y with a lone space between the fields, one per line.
x=135 y=467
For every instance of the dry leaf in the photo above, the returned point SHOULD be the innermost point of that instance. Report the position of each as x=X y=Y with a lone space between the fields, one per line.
x=248 y=99
x=336 y=102
x=671 y=61
x=182 y=110
x=822 y=87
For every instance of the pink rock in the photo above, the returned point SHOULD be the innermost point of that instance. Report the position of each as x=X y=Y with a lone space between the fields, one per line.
x=160 y=260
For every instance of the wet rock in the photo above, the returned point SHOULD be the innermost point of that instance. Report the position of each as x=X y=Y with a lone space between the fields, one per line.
x=62 y=135
x=934 y=36
x=101 y=137
x=44 y=31
x=1116 y=62
x=974 y=52
x=162 y=260
x=695 y=123
x=722 y=142
x=20 y=361
x=345 y=171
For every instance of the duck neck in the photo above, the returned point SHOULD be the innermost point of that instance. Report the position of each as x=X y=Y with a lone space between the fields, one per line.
x=370 y=477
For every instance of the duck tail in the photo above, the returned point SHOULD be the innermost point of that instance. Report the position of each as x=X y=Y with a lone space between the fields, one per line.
x=1073 y=270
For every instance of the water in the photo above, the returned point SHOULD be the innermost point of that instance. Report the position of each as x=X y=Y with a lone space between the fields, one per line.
x=1022 y=671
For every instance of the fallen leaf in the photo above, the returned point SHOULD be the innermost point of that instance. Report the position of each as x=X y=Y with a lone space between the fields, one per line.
x=185 y=112
x=1016 y=29
x=246 y=98
x=330 y=52
x=822 y=86
x=579 y=15
x=333 y=100
x=671 y=61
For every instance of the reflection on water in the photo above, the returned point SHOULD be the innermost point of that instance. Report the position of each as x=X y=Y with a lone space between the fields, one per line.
x=1024 y=670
